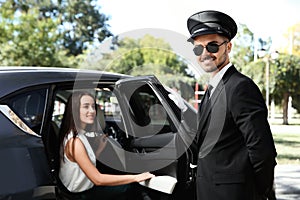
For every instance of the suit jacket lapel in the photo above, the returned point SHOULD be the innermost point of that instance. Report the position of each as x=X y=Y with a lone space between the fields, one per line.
x=203 y=114
x=205 y=111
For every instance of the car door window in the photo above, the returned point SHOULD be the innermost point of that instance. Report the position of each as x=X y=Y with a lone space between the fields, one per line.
x=147 y=113
x=59 y=109
x=29 y=106
x=108 y=102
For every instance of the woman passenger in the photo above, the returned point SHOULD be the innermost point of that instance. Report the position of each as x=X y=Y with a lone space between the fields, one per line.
x=78 y=170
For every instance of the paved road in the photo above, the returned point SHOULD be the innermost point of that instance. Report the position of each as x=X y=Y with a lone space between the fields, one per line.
x=287 y=182
x=285 y=128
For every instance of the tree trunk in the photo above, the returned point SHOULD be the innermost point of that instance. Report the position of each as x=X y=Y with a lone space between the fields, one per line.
x=285 y=107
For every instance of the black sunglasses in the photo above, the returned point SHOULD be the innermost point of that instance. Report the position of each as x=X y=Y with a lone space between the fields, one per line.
x=211 y=47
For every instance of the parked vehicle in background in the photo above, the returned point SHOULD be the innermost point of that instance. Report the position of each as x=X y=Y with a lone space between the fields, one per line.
x=144 y=120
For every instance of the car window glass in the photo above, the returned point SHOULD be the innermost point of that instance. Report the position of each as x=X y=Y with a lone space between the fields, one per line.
x=58 y=112
x=29 y=106
x=108 y=102
x=147 y=112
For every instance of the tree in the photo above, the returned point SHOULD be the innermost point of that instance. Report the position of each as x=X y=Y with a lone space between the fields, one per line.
x=284 y=80
x=27 y=40
x=284 y=72
x=256 y=71
x=287 y=76
x=243 y=51
x=79 y=22
x=135 y=53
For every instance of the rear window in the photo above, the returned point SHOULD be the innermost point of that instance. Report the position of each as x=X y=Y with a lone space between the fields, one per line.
x=29 y=106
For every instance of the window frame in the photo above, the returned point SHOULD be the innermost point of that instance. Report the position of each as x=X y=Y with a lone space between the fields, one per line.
x=16 y=118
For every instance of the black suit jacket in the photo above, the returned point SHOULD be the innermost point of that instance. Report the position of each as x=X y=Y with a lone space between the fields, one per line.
x=237 y=154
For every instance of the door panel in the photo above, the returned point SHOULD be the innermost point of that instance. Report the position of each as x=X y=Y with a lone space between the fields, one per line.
x=161 y=128
x=149 y=125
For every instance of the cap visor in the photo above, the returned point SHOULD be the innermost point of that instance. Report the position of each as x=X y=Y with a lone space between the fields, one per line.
x=206 y=32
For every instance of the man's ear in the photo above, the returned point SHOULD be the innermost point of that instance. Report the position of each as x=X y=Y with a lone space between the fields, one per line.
x=229 y=46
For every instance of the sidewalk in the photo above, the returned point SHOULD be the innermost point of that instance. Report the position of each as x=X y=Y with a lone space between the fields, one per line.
x=285 y=128
x=287 y=182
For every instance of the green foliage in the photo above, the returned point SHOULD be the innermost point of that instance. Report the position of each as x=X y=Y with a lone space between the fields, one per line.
x=256 y=71
x=287 y=76
x=287 y=146
x=296 y=101
x=284 y=72
x=133 y=53
x=243 y=49
x=49 y=33
x=82 y=24
x=27 y=40
x=284 y=77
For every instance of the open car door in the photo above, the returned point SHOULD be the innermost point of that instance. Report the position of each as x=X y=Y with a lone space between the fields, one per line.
x=160 y=127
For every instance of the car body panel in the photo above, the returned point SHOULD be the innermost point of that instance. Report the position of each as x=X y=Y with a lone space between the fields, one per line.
x=29 y=76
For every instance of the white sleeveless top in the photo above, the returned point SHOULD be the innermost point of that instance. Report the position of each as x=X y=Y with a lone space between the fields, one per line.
x=70 y=173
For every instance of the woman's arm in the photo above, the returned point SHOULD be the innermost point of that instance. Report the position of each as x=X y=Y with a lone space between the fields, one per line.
x=77 y=153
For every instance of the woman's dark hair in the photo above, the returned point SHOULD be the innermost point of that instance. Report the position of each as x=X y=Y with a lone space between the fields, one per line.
x=71 y=119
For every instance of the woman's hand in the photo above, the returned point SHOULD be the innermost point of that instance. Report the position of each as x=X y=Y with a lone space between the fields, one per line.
x=143 y=176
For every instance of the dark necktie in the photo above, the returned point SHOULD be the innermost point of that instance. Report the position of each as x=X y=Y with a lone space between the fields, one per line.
x=205 y=102
x=209 y=89
x=206 y=97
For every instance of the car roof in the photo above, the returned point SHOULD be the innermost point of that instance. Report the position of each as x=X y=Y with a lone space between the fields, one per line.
x=15 y=78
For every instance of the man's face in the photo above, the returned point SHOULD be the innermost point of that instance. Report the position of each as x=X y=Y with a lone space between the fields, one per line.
x=212 y=62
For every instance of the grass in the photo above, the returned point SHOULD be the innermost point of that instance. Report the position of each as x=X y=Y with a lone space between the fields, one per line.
x=288 y=147
x=287 y=139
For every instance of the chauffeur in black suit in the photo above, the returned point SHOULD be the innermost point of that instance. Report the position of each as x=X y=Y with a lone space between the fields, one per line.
x=237 y=154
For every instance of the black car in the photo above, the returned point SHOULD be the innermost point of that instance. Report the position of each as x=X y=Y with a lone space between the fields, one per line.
x=149 y=126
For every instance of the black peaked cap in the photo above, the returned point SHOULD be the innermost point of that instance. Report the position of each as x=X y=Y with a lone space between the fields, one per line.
x=211 y=22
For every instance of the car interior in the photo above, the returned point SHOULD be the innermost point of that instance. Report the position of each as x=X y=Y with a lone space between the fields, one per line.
x=145 y=143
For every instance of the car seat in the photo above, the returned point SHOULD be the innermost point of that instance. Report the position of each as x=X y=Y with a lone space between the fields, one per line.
x=101 y=119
